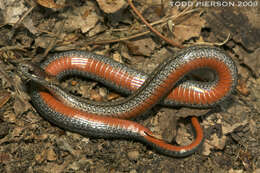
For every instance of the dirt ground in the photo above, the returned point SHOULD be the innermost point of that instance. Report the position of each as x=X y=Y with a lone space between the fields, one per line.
x=33 y=30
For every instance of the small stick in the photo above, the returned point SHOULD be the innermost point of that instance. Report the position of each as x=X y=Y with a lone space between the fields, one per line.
x=151 y=28
x=118 y=40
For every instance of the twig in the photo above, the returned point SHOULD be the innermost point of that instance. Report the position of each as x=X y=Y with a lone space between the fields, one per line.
x=2 y=24
x=163 y=20
x=54 y=41
x=223 y=42
x=143 y=33
x=215 y=44
x=22 y=18
x=51 y=44
x=118 y=40
x=151 y=28
x=13 y=83
x=12 y=48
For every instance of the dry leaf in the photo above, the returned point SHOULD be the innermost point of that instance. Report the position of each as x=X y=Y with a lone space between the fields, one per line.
x=28 y=23
x=183 y=136
x=51 y=155
x=235 y=171
x=216 y=142
x=4 y=97
x=77 y=19
x=206 y=148
x=40 y=157
x=21 y=106
x=253 y=61
x=112 y=96
x=49 y=4
x=143 y=47
x=227 y=128
x=242 y=88
x=190 y=28
x=12 y=11
x=110 y=6
x=94 y=95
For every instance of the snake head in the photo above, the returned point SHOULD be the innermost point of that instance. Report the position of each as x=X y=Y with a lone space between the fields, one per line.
x=30 y=71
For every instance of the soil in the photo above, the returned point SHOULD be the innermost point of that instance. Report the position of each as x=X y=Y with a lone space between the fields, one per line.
x=35 y=30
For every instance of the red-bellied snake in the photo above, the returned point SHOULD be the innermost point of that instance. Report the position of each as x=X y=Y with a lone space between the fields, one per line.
x=165 y=85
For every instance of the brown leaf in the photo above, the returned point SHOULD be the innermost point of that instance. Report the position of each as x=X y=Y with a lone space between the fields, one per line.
x=94 y=95
x=227 y=128
x=83 y=18
x=40 y=157
x=21 y=106
x=253 y=61
x=4 y=97
x=217 y=142
x=242 y=88
x=110 y=6
x=49 y=4
x=51 y=155
x=143 y=47
x=214 y=143
x=112 y=96
x=190 y=28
